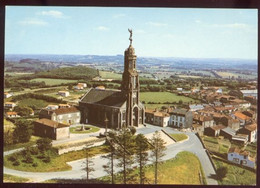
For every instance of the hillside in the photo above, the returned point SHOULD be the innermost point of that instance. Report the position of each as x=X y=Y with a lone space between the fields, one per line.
x=77 y=73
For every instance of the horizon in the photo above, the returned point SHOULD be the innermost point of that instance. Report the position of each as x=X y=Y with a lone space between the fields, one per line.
x=157 y=32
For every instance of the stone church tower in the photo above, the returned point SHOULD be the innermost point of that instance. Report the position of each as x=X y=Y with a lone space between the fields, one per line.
x=131 y=87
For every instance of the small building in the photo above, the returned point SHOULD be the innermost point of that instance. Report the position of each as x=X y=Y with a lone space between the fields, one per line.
x=51 y=129
x=227 y=132
x=219 y=91
x=181 y=118
x=214 y=130
x=64 y=105
x=198 y=128
x=204 y=120
x=240 y=139
x=9 y=105
x=64 y=93
x=79 y=87
x=196 y=107
x=62 y=115
x=11 y=114
x=250 y=113
x=230 y=122
x=241 y=157
x=179 y=89
x=100 y=87
x=251 y=131
x=83 y=84
x=52 y=107
x=7 y=95
x=243 y=119
x=252 y=93
x=157 y=118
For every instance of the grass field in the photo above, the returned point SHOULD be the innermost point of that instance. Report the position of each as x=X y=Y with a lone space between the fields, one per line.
x=8 y=124
x=14 y=179
x=179 y=137
x=188 y=76
x=110 y=75
x=236 y=175
x=163 y=97
x=91 y=130
x=51 y=82
x=57 y=163
x=18 y=73
x=183 y=172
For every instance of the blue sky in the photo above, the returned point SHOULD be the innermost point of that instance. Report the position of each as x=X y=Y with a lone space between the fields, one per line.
x=157 y=32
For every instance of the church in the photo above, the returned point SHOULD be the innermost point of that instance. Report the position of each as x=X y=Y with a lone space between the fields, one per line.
x=116 y=108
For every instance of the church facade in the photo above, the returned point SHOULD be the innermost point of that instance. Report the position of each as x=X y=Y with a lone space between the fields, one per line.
x=116 y=108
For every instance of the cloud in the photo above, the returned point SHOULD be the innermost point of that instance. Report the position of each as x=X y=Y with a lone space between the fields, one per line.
x=156 y=24
x=32 y=21
x=234 y=25
x=197 y=21
x=102 y=28
x=119 y=15
x=52 y=13
x=139 y=31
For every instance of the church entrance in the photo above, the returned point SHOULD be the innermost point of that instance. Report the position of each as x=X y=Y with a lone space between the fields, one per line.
x=135 y=118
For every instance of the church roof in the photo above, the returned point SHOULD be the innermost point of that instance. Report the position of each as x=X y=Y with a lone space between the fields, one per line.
x=104 y=97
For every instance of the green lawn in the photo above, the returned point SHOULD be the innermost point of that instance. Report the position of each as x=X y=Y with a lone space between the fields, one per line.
x=110 y=75
x=57 y=163
x=20 y=145
x=14 y=179
x=179 y=137
x=174 y=171
x=236 y=175
x=51 y=81
x=91 y=130
x=162 y=97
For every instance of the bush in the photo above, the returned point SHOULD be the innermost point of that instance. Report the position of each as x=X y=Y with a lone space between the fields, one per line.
x=44 y=144
x=35 y=164
x=34 y=150
x=16 y=163
x=47 y=159
x=28 y=158
x=13 y=158
x=42 y=155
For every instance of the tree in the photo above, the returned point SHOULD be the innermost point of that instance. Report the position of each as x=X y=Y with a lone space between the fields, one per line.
x=44 y=144
x=8 y=135
x=23 y=110
x=157 y=152
x=109 y=167
x=141 y=154
x=89 y=164
x=124 y=153
x=22 y=131
x=221 y=173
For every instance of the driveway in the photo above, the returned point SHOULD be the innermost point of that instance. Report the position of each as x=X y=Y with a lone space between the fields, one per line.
x=193 y=145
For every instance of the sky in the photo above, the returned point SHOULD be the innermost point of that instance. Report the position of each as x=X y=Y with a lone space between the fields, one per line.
x=157 y=32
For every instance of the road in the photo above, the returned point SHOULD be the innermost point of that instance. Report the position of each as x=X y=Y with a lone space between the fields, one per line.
x=192 y=144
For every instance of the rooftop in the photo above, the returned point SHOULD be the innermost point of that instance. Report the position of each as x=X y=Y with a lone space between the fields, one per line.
x=51 y=123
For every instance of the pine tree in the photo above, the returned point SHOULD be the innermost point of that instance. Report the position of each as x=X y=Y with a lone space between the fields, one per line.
x=124 y=153
x=89 y=164
x=157 y=152
x=142 y=147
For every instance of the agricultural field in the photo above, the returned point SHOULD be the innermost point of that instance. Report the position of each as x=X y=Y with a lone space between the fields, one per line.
x=110 y=75
x=236 y=175
x=33 y=103
x=230 y=74
x=188 y=76
x=51 y=82
x=18 y=73
x=163 y=97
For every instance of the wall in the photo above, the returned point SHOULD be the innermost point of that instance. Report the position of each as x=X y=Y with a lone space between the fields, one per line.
x=62 y=133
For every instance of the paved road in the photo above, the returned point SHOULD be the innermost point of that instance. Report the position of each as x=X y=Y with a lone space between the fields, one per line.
x=192 y=144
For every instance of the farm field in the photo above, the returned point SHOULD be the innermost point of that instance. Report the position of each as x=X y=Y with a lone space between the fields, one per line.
x=18 y=73
x=51 y=82
x=162 y=97
x=188 y=76
x=110 y=75
x=230 y=74
x=236 y=175
x=33 y=103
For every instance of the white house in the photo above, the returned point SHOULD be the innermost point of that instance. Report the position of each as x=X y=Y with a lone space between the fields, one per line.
x=157 y=118
x=241 y=157
x=251 y=131
x=64 y=93
x=52 y=107
x=9 y=105
x=7 y=95
x=12 y=114
x=195 y=107
x=249 y=93
x=83 y=84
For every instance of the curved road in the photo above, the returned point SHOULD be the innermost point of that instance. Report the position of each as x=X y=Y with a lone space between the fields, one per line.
x=193 y=145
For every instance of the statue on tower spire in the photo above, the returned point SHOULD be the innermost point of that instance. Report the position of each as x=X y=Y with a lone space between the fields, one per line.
x=130 y=38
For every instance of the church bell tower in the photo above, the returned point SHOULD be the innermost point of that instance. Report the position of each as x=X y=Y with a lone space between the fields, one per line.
x=130 y=86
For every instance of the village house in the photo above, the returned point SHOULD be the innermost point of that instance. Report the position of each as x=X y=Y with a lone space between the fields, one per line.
x=181 y=118
x=83 y=84
x=52 y=107
x=198 y=128
x=79 y=87
x=7 y=95
x=240 y=103
x=51 y=129
x=251 y=131
x=62 y=115
x=100 y=87
x=157 y=118
x=250 y=113
x=9 y=105
x=64 y=93
x=213 y=131
x=227 y=132
x=11 y=114
x=252 y=93
x=241 y=157
x=243 y=119
x=223 y=109
x=240 y=138
x=196 y=107
x=205 y=121
x=230 y=122
x=64 y=105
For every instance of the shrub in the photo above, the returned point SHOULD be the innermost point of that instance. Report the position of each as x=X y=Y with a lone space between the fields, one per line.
x=35 y=164
x=47 y=159
x=13 y=158
x=42 y=155
x=28 y=158
x=16 y=163
x=44 y=144
x=34 y=150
